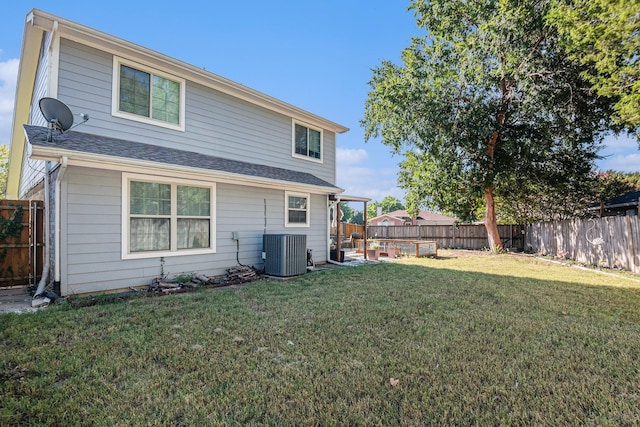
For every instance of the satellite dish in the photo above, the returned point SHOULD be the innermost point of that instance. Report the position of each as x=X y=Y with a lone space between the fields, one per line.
x=57 y=114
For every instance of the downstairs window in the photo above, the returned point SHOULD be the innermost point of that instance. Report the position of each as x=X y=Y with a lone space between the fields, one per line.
x=167 y=218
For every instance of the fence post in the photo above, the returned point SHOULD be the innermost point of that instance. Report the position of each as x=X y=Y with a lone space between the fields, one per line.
x=453 y=228
x=510 y=236
x=632 y=263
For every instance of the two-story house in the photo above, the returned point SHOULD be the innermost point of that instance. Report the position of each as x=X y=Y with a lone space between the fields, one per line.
x=177 y=170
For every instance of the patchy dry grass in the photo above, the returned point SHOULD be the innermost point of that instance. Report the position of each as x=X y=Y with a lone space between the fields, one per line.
x=471 y=338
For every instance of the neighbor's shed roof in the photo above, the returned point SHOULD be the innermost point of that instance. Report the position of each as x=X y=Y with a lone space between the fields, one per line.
x=626 y=199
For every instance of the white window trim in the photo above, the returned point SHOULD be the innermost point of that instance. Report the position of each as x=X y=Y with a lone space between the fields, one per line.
x=126 y=254
x=286 y=209
x=293 y=141
x=115 y=94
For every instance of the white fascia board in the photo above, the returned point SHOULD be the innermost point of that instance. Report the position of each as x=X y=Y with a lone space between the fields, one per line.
x=29 y=55
x=100 y=161
x=347 y=198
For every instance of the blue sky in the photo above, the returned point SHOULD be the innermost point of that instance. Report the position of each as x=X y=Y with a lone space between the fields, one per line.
x=317 y=55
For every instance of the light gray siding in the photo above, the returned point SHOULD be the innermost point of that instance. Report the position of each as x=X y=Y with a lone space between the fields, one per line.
x=91 y=233
x=33 y=170
x=216 y=124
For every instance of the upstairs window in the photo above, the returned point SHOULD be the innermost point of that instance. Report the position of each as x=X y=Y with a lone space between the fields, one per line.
x=307 y=142
x=142 y=94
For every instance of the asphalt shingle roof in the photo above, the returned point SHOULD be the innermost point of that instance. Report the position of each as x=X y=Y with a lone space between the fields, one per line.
x=113 y=147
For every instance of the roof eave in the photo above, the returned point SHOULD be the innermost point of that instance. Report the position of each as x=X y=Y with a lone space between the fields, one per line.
x=101 y=161
x=347 y=198
x=620 y=205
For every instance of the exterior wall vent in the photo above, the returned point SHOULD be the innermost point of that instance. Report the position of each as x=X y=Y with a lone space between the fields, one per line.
x=285 y=254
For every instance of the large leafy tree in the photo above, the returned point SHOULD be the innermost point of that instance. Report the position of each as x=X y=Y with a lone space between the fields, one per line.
x=350 y=215
x=388 y=204
x=632 y=178
x=486 y=98
x=605 y=36
x=372 y=209
x=561 y=191
x=526 y=202
x=612 y=183
x=357 y=218
x=346 y=212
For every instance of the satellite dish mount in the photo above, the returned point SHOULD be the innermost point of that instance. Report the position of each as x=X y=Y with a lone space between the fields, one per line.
x=58 y=116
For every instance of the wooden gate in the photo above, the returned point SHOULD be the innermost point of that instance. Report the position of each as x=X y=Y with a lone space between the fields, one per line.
x=21 y=242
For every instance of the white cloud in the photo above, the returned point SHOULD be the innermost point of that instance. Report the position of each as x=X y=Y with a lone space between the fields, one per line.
x=620 y=153
x=373 y=183
x=622 y=163
x=8 y=78
x=365 y=181
x=350 y=156
x=619 y=144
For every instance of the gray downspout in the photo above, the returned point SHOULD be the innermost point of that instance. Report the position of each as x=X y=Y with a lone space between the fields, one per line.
x=47 y=250
x=37 y=299
x=58 y=196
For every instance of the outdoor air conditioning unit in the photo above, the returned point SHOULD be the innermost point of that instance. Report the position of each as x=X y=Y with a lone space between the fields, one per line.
x=285 y=254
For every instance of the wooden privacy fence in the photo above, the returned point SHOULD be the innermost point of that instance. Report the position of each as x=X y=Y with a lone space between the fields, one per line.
x=464 y=236
x=347 y=229
x=21 y=242
x=612 y=242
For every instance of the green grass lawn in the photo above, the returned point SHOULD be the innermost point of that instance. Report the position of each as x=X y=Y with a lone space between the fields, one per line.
x=471 y=338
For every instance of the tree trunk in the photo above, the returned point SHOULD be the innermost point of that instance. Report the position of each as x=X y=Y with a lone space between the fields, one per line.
x=495 y=244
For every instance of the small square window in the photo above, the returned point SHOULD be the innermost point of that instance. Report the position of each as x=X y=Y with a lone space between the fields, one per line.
x=296 y=210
